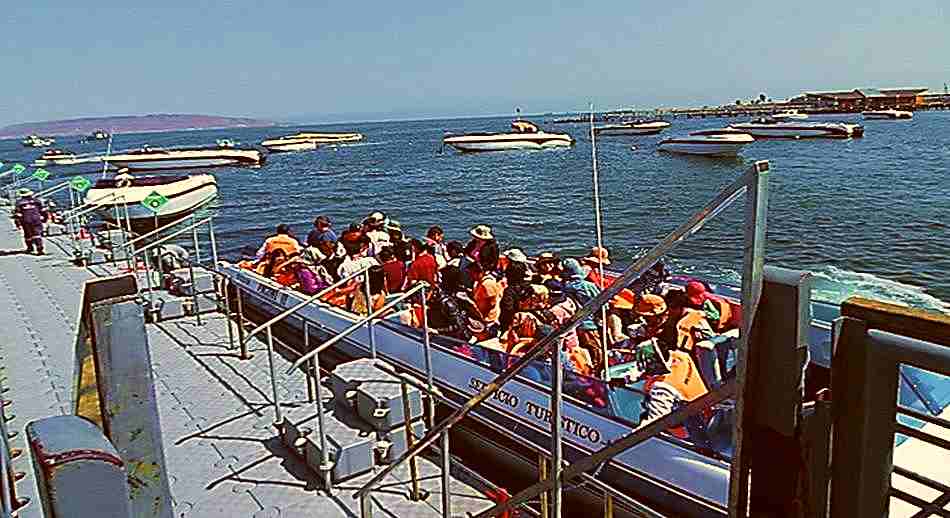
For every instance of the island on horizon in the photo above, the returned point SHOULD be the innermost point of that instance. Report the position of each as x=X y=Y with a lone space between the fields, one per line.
x=129 y=124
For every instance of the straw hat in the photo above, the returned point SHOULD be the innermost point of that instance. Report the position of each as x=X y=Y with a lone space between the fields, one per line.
x=481 y=232
x=392 y=224
x=598 y=255
x=624 y=300
x=651 y=305
x=375 y=218
x=515 y=255
x=547 y=257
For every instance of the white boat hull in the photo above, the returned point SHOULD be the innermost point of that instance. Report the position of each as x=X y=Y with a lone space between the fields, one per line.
x=183 y=197
x=508 y=141
x=185 y=158
x=728 y=145
x=288 y=146
x=888 y=115
x=648 y=128
x=792 y=130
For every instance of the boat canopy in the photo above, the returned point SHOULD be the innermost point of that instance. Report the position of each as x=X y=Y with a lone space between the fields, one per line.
x=525 y=127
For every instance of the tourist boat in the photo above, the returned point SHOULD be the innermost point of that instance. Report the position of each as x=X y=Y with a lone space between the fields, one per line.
x=789 y=115
x=55 y=157
x=711 y=142
x=512 y=426
x=772 y=128
x=890 y=114
x=150 y=158
x=632 y=128
x=524 y=135
x=287 y=144
x=37 y=141
x=184 y=194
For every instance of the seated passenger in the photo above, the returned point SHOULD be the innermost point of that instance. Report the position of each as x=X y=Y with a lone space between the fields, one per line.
x=453 y=254
x=435 y=237
x=322 y=231
x=598 y=257
x=377 y=290
x=620 y=316
x=487 y=294
x=283 y=240
x=669 y=390
x=271 y=266
x=518 y=282
x=574 y=357
x=424 y=267
x=718 y=311
x=444 y=316
x=548 y=266
x=393 y=270
x=356 y=260
x=581 y=291
x=373 y=228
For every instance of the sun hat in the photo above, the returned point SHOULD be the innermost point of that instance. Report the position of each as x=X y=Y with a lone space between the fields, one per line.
x=624 y=300
x=598 y=255
x=651 y=305
x=696 y=293
x=515 y=254
x=392 y=224
x=24 y=192
x=374 y=218
x=547 y=257
x=573 y=269
x=481 y=232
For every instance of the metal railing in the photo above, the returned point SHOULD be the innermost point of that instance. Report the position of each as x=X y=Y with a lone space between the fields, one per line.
x=873 y=341
x=75 y=219
x=753 y=183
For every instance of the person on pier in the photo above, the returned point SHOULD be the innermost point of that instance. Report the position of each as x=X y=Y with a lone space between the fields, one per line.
x=29 y=215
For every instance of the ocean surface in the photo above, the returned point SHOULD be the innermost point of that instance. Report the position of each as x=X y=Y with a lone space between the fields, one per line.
x=868 y=216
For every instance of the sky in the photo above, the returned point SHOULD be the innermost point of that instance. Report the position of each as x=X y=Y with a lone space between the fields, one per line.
x=307 y=61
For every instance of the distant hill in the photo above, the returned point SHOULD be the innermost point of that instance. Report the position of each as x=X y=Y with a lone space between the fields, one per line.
x=129 y=124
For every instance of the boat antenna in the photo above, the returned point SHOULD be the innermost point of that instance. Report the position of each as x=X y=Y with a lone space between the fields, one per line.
x=105 y=163
x=598 y=224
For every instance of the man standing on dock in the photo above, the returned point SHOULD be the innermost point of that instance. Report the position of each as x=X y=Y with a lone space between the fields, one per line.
x=30 y=215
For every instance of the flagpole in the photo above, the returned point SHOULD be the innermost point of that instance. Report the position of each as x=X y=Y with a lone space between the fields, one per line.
x=600 y=238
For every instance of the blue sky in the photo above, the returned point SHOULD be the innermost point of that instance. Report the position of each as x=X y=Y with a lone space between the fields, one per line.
x=300 y=60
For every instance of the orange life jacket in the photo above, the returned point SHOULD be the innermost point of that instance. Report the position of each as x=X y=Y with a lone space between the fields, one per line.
x=684 y=377
x=281 y=242
x=691 y=319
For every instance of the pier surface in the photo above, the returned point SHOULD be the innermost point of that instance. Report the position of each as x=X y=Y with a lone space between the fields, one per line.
x=223 y=454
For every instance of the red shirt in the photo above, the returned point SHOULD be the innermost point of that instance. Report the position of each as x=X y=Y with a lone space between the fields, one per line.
x=395 y=276
x=424 y=268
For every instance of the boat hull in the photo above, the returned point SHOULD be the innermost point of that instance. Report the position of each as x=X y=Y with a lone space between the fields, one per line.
x=800 y=131
x=509 y=141
x=654 y=469
x=704 y=146
x=182 y=199
x=651 y=128
x=888 y=115
x=285 y=147
x=185 y=159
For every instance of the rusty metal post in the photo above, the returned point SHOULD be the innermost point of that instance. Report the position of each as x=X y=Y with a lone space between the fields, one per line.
x=240 y=323
x=415 y=493
x=542 y=476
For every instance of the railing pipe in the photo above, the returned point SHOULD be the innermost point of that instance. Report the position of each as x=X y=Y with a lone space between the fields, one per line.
x=324 y=453
x=242 y=342
x=557 y=429
x=278 y=418
x=306 y=302
x=369 y=324
x=634 y=271
x=161 y=241
x=225 y=283
x=167 y=225
x=343 y=334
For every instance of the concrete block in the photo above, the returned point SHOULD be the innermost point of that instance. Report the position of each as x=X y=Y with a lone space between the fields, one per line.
x=206 y=303
x=346 y=377
x=350 y=445
x=181 y=283
x=395 y=440
x=380 y=404
x=167 y=307
x=54 y=229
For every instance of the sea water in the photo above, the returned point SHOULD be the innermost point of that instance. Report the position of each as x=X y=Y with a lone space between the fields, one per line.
x=868 y=216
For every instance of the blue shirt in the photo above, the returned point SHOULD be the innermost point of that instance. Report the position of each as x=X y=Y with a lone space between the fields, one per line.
x=316 y=236
x=582 y=291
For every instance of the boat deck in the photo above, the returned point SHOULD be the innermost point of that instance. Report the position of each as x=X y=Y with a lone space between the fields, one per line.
x=222 y=452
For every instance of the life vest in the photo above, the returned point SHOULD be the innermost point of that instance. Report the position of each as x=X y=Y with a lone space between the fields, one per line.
x=685 y=378
x=730 y=316
x=685 y=326
x=281 y=242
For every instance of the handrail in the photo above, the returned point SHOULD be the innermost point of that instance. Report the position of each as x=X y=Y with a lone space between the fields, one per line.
x=174 y=234
x=306 y=302
x=90 y=205
x=343 y=334
x=56 y=188
x=635 y=270
x=159 y=229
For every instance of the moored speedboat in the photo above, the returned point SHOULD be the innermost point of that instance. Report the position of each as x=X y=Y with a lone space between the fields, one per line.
x=524 y=135
x=789 y=115
x=99 y=135
x=286 y=144
x=633 y=128
x=890 y=114
x=184 y=194
x=714 y=142
x=149 y=158
x=56 y=157
x=327 y=138
x=771 y=128
x=37 y=141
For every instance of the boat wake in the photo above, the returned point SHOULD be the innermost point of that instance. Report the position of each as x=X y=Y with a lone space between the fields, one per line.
x=835 y=285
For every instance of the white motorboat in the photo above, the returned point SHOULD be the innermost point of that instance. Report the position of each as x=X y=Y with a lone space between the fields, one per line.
x=712 y=142
x=890 y=114
x=633 y=128
x=149 y=158
x=99 y=135
x=772 y=128
x=183 y=194
x=286 y=144
x=524 y=135
x=37 y=141
x=790 y=115
x=327 y=138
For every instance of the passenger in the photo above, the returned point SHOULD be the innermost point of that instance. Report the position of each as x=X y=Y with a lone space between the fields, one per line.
x=548 y=265
x=271 y=266
x=401 y=247
x=373 y=228
x=445 y=316
x=487 y=295
x=718 y=311
x=666 y=392
x=285 y=273
x=598 y=257
x=377 y=290
x=620 y=316
x=283 y=240
x=434 y=238
x=518 y=283
x=467 y=261
x=424 y=266
x=453 y=253
x=352 y=239
x=29 y=215
x=355 y=261
x=575 y=357
x=393 y=270
x=322 y=231
x=512 y=255
x=481 y=235
x=654 y=324
x=578 y=288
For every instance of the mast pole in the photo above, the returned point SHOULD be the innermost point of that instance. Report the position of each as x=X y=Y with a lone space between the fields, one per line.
x=600 y=238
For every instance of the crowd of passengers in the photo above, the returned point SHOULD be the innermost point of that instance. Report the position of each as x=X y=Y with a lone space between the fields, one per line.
x=674 y=340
